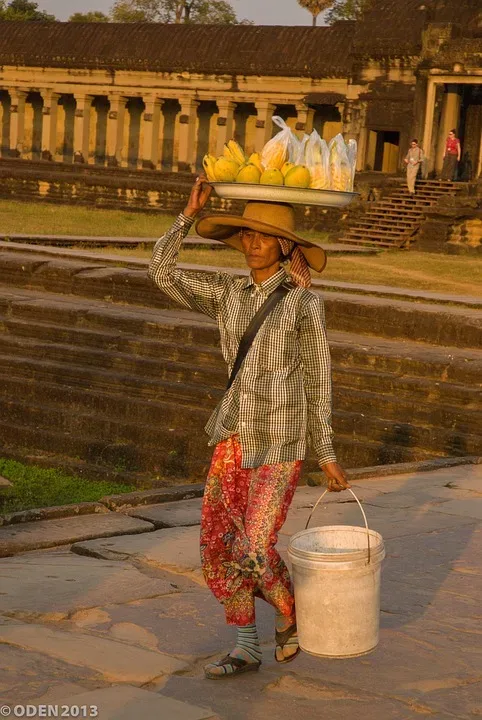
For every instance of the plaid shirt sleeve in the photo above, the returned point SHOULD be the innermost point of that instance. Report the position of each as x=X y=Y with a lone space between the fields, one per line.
x=195 y=291
x=315 y=355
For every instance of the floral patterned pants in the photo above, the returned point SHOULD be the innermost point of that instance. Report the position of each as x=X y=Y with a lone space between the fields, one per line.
x=243 y=511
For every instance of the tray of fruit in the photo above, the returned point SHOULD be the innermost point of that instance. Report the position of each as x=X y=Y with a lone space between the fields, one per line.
x=307 y=171
x=282 y=194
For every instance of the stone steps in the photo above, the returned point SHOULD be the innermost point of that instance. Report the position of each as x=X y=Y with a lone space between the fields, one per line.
x=117 y=342
x=401 y=205
x=388 y=317
x=33 y=370
x=103 y=348
x=108 y=375
x=106 y=372
x=139 y=438
x=184 y=459
x=177 y=377
x=383 y=317
x=392 y=391
x=161 y=369
x=377 y=230
x=168 y=382
x=201 y=345
x=161 y=403
x=402 y=215
x=149 y=463
x=402 y=224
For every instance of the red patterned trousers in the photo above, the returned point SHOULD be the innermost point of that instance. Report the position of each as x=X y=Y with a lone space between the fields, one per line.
x=243 y=511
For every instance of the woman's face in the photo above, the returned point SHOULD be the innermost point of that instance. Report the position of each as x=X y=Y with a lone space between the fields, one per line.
x=451 y=135
x=260 y=250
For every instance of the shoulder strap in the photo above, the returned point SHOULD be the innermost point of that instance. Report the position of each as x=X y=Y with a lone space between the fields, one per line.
x=253 y=327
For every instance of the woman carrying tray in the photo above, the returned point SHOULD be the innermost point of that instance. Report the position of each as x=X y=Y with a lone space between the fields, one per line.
x=279 y=398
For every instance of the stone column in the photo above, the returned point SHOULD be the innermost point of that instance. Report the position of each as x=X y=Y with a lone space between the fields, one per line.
x=82 y=128
x=305 y=119
x=265 y=112
x=186 y=161
x=152 y=131
x=448 y=121
x=115 y=130
x=362 y=149
x=428 y=126
x=49 y=124
x=17 y=121
x=225 y=124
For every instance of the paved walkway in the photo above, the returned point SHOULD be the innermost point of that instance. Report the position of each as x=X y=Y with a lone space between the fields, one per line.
x=126 y=623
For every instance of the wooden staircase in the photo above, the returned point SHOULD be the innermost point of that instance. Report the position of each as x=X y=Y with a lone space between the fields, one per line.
x=393 y=221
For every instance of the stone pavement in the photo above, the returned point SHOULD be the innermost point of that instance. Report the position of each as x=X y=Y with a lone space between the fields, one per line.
x=125 y=623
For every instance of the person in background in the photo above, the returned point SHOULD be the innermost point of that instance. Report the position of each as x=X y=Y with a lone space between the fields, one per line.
x=452 y=155
x=413 y=161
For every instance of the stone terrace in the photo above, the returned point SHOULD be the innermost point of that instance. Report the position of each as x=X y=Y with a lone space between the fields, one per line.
x=104 y=376
x=126 y=623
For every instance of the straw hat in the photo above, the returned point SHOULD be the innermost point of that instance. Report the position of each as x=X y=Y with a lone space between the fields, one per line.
x=276 y=219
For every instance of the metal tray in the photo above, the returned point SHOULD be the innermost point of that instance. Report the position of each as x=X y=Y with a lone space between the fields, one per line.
x=282 y=194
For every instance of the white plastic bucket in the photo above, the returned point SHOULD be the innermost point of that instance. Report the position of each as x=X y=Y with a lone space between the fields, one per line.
x=336 y=576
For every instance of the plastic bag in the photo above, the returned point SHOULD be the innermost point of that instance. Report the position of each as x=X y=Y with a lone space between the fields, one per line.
x=340 y=167
x=316 y=160
x=298 y=149
x=352 y=151
x=277 y=150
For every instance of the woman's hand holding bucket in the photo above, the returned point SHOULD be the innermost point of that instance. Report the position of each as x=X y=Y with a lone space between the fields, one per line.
x=337 y=477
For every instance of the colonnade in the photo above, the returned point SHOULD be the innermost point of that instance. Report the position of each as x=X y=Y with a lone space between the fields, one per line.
x=153 y=131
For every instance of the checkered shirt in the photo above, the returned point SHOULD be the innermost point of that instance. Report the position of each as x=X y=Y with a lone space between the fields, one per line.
x=281 y=398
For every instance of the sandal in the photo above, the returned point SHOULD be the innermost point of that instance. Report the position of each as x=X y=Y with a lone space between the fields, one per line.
x=282 y=639
x=239 y=666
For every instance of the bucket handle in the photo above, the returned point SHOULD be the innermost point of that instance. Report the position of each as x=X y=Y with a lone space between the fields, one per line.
x=362 y=512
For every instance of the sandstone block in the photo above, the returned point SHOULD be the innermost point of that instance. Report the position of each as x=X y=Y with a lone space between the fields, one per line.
x=61 y=583
x=51 y=533
x=172 y=549
x=175 y=514
x=129 y=703
x=116 y=661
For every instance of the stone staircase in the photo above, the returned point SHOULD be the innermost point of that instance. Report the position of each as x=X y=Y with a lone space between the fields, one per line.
x=393 y=221
x=102 y=375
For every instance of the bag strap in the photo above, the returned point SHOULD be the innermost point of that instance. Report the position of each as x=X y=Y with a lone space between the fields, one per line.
x=253 y=327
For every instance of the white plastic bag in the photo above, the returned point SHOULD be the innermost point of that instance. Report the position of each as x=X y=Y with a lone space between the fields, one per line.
x=316 y=160
x=278 y=150
x=352 y=151
x=340 y=167
x=298 y=150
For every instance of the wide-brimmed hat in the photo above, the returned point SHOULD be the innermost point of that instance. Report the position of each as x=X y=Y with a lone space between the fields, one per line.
x=276 y=219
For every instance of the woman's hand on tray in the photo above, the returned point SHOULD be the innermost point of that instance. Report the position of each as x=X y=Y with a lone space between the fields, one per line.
x=201 y=190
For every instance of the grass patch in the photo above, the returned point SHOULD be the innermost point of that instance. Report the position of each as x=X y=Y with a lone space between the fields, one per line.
x=410 y=269
x=35 y=487
x=397 y=268
x=432 y=272
x=50 y=219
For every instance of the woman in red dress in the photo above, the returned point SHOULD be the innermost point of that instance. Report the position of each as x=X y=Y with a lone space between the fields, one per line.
x=451 y=156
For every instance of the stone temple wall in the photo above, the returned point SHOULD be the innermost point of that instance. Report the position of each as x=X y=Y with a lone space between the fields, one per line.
x=144 y=191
